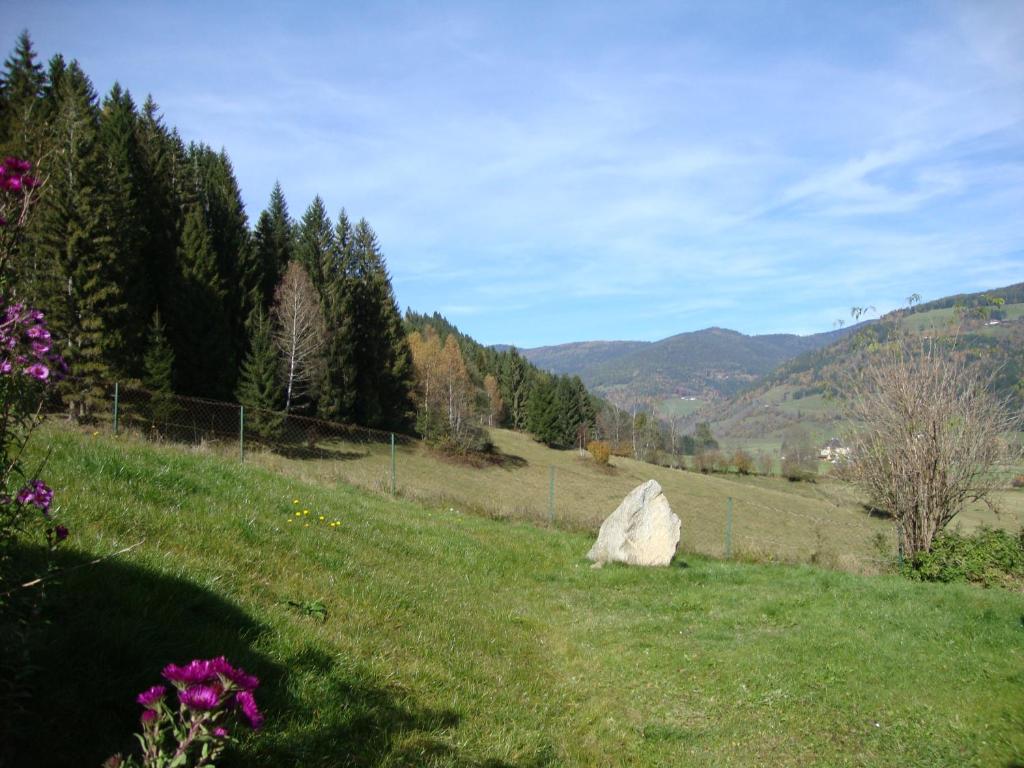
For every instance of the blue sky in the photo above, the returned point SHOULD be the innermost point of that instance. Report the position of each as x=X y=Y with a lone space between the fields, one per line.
x=551 y=172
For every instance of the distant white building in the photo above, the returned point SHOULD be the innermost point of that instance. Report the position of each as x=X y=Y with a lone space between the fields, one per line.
x=833 y=451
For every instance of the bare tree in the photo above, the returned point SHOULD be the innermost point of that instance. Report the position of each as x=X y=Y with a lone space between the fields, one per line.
x=299 y=331
x=928 y=435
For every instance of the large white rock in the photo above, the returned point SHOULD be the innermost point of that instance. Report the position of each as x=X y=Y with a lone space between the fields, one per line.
x=642 y=531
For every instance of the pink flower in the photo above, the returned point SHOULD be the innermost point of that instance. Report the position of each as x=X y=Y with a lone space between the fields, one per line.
x=238 y=676
x=196 y=671
x=220 y=733
x=38 y=371
x=148 y=716
x=151 y=697
x=247 y=703
x=200 y=697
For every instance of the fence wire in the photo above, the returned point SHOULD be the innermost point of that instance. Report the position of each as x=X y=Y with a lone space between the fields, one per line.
x=573 y=496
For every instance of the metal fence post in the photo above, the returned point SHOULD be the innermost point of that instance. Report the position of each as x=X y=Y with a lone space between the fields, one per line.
x=551 y=497
x=728 y=530
x=392 y=463
x=116 y=404
x=241 y=433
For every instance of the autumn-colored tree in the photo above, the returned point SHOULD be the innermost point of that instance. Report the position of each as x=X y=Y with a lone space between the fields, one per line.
x=444 y=391
x=496 y=405
x=742 y=461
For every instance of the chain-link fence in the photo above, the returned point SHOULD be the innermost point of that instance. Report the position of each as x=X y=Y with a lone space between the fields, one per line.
x=721 y=516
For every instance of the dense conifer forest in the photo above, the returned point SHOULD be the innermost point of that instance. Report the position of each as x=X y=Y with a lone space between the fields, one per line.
x=141 y=252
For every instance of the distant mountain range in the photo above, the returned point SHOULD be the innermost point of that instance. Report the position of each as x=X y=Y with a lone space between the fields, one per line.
x=754 y=387
x=711 y=363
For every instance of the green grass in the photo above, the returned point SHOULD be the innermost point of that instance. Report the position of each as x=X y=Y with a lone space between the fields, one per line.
x=676 y=406
x=770 y=521
x=456 y=640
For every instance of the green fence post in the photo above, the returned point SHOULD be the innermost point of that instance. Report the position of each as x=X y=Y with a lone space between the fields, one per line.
x=241 y=433
x=392 y=463
x=728 y=530
x=116 y=404
x=899 y=544
x=551 y=497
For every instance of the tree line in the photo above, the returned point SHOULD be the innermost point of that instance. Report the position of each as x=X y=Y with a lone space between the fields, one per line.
x=141 y=252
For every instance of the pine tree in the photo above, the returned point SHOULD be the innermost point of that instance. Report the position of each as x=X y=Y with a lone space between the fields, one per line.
x=76 y=280
x=21 y=91
x=216 y=191
x=314 y=243
x=123 y=186
x=514 y=382
x=273 y=248
x=259 y=388
x=163 y=163
x=542 y=410
x=158 y=362
x=202 y=341
x=373 y=337
x=158 y=373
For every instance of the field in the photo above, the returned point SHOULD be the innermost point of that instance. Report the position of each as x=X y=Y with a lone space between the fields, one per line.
x=456 y=640
x=769 y=522
x=677 y=406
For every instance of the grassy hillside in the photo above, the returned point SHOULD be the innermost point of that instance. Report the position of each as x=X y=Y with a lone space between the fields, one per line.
x=806 y=389
x=454 y=640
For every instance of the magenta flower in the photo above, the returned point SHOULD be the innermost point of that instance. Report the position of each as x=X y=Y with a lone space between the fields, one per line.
x=220 y=733
x=37 y=332
x=62 y=533
x=200 y=697
x=196 y=671
x=247 y=703
x=38 y=371
x=40 y=348
x=38 y=493
x=151 y=697
x=238 y=676
x=148 y=716
x=6 y=367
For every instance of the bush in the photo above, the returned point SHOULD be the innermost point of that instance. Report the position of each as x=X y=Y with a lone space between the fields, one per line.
x=1018 y=481
x=743 y=461
x=989 y=556
x=600 y=450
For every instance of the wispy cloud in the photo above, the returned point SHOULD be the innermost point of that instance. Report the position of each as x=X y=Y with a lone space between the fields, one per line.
x=581 y=171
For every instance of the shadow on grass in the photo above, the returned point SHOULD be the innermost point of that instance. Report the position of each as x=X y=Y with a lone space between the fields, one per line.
x=304 y=452
x=109 y=629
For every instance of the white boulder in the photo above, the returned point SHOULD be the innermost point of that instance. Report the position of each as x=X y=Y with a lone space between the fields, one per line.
x=642 y=531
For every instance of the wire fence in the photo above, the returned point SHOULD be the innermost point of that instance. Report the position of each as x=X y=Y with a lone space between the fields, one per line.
x=732 y=520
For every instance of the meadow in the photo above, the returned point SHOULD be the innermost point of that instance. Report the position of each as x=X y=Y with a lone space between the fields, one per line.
x=390 y=632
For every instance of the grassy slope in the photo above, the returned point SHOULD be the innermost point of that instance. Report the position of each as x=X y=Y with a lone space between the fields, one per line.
x=770 y=520
x=458 y=640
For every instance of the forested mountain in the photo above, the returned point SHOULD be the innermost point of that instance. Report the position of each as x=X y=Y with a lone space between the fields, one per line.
x=985 y=327
x=709 y=363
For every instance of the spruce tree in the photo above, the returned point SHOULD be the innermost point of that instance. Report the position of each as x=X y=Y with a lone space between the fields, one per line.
x=158 y=373
x=202 y=332
x=158 y=362
x=163 y=162
x=78 y=282
x=123 y=182
x=273 y=246
x=259 y=388
x=21 y=91
x=314 y=243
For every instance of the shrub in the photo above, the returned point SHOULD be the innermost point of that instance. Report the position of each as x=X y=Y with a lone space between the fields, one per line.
x=743 y=461
x=988 y=556
x=1018 y=481
x=600 y=450
x=704 y=461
